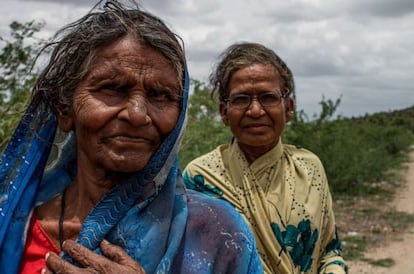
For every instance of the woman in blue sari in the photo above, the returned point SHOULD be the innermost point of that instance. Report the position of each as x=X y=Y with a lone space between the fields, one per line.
x=91 y=171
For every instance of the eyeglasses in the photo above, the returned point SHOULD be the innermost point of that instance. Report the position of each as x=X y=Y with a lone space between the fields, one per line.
x=267 y=99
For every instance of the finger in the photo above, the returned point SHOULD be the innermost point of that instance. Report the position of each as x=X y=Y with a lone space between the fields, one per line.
x=120 y=256
x=56 y=264
x=46 y=271
x=81 y=254
x=114 y=252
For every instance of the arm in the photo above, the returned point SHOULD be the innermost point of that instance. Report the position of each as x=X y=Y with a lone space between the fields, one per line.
x=331 y=260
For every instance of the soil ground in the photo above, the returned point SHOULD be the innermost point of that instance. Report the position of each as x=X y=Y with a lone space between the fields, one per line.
x=384 y=239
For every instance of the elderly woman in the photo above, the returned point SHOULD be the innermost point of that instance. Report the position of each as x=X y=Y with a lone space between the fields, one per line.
x=110 y=195
x=281 y=190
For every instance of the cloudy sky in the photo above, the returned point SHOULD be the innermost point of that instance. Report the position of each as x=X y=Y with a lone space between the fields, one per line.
x=361 y=51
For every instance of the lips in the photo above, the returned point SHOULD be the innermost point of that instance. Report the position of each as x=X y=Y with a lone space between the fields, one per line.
x=255 y=125
x=127 y=139
x=255 y=128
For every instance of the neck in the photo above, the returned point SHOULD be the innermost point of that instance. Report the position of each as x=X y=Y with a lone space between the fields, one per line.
x=75 y=204
x=64 y=221
x=253 y=152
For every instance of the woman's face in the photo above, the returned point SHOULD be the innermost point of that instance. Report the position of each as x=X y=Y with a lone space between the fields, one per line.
x=124 y=108
x=256 y=128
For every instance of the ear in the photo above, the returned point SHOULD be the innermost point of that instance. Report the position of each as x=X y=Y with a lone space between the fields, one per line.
x=289 y=109
x=65 y=120
x=223 y=113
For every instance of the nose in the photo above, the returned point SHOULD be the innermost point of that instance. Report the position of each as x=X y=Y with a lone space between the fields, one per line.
x=135 y=111
x=255 y=108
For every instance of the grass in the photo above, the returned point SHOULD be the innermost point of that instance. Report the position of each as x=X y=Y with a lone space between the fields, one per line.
x=400 y=220
x=387 y=262
x=354 y=247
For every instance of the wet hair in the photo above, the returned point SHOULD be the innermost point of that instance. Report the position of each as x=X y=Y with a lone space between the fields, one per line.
x=74 y=48
x=242 y=55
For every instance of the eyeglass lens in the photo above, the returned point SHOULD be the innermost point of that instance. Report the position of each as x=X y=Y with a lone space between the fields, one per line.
x=267 y=99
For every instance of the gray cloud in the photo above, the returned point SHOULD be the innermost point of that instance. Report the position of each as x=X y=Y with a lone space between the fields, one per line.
x=381 y=8
x=87 y=3
x=359 y=50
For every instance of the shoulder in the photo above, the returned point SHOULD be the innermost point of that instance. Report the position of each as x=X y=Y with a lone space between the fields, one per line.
x=210 y=163
x=214 y=226
x=218 y=234
x=207 y=158
x=217 y=221
x=205 y=210
x=302 y=155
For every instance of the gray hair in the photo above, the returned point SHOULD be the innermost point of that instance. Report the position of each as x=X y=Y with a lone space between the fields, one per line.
x=75 y=47
x=242 y=55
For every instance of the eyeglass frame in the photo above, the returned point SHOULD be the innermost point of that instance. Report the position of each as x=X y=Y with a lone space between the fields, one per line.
x=257 y=98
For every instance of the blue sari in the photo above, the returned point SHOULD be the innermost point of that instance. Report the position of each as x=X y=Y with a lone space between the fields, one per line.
x=170 y=230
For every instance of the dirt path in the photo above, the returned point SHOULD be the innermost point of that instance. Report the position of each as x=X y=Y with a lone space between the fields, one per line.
x=401 y=250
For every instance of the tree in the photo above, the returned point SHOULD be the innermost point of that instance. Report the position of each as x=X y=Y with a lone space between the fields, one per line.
x=204 y=127
x=17 y=57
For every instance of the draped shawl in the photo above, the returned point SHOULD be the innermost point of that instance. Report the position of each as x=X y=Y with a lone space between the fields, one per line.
x=284 y=196
x=170 y=230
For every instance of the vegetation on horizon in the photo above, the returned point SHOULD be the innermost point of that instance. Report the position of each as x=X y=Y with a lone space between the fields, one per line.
x=356 y=152
x=17 y=56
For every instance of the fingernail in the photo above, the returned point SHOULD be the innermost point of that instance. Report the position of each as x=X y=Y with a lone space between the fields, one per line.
x=47 y=255
x=105 y=241
x=43 y=271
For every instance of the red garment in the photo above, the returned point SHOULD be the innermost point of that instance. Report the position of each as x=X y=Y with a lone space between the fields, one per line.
x=38 y=244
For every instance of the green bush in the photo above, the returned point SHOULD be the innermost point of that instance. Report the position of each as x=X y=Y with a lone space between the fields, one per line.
x=355 y=152
x=204 y=127
x=16 y=75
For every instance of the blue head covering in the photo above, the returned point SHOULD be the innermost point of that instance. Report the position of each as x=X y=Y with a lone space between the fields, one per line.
x=22 y=187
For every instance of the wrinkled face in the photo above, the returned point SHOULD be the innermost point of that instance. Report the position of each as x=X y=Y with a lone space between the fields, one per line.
x=124 y=107
x=256 y=128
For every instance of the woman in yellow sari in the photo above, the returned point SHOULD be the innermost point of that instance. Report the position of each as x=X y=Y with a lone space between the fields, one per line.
x=281 y=190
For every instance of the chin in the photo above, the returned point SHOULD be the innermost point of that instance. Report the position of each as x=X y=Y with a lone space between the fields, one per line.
x=127 y=166
x=257 y=141
x=132 y=168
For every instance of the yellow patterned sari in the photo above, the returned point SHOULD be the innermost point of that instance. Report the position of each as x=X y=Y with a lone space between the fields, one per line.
x=285 y=198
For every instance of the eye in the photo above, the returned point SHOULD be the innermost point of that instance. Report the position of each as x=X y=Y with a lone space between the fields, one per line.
x=112 y=89
x=269 y=99
x=110 y=93
x=240 y=100
x=161 y=96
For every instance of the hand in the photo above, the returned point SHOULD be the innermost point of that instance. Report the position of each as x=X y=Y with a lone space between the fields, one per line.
x=116 y=260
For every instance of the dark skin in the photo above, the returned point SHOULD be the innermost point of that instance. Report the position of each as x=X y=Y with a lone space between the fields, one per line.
x=256 y=128
x=116 y=260
x=122 y=110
